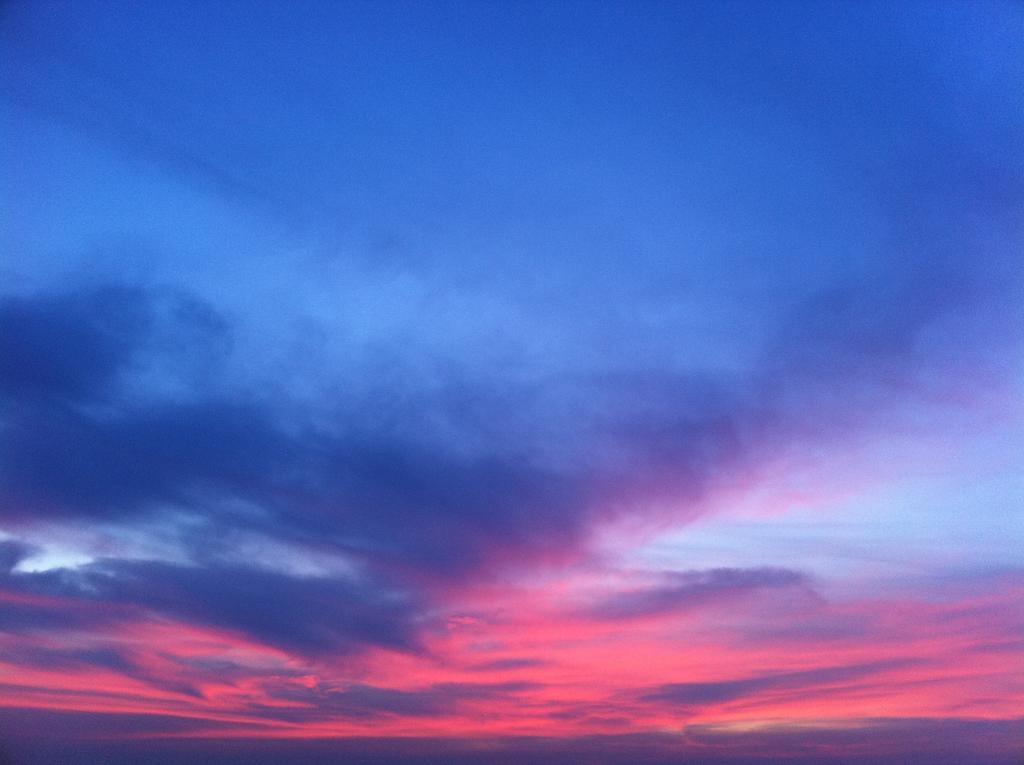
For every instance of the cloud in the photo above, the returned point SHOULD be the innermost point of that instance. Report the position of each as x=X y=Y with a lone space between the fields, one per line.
x=119 y=660
x=77 y=445
x=106 y=417
x=684 y=590
x=11 y=553
x=306 y=615
x=81 y=442
x=68 y=347
x=361 y=701
x=710 y=693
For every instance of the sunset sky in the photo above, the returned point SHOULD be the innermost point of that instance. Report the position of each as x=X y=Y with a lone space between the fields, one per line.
x=519 y=382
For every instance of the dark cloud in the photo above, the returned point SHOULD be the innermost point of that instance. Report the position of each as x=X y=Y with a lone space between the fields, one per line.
x=77 y=462
x=67 y=659
x=77 y=445
x=39 y=725
x=11 y=553
x=77 y=441
x=67 y=348
x=117 y=659
x=304 y=615
x=691 y=589
x=35 y=601
x=708 y=693
x=81 y=443
x=361 y=701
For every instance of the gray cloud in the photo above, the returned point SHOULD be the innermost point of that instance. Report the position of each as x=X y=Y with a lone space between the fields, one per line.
x=685 y=590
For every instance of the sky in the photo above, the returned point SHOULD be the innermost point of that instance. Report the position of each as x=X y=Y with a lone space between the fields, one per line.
x=526 y=382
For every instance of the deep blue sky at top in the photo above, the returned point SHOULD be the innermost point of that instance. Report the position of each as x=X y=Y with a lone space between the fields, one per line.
x=580 y=142
x=590 y=236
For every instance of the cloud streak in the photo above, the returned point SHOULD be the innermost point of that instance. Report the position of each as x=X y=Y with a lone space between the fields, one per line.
x=686 y=590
